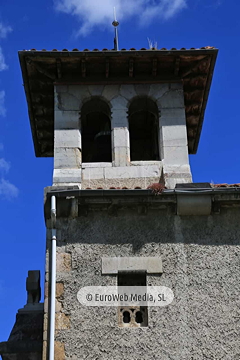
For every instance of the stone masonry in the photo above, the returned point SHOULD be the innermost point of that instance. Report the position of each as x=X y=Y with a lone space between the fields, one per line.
x=196 y=256
x=68 y=167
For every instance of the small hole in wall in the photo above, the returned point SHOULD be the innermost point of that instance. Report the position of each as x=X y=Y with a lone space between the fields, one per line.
x=139 y=317
x=126 y=317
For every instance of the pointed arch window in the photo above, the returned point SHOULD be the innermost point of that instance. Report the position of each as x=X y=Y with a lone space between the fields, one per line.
x=144 y=129
x=96 y=131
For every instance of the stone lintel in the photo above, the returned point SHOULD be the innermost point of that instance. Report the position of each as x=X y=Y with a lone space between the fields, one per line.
x=152 y=265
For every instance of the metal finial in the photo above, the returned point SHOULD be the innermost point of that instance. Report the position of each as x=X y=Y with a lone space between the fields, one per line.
x=115 y=23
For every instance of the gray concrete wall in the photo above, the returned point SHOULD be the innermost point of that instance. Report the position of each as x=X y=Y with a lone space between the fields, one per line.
x=173 y=147
x=200 y=260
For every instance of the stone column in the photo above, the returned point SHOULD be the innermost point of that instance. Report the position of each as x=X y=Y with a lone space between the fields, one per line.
x=120 y=132
x=173 y=137
x=67 y=139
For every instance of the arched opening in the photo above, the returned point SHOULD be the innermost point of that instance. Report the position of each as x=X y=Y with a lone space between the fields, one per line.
x=96 y=131
x=144 y=130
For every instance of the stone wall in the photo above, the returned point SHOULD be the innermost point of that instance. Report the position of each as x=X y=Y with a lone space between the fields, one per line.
x=200 y=260
x=122 y=172
x=26 y=338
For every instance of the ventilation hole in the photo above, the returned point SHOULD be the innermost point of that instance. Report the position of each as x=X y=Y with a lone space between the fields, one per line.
x=126 y=317
x=139 y=318
x=132 y=310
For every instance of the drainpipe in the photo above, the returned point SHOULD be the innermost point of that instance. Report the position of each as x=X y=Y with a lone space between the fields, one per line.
x=53 y=279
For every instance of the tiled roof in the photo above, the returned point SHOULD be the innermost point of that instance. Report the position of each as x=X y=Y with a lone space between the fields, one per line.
x=160 y=187
x=225 y=185
x=131 y=49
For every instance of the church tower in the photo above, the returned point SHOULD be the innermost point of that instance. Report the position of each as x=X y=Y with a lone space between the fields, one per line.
x=122 y=209
x=117 y=118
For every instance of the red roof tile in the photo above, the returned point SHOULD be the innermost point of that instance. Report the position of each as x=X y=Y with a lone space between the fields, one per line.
x=131 y=49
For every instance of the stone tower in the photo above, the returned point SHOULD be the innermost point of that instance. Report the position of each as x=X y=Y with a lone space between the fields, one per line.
x=120 y=118
x=122 y=209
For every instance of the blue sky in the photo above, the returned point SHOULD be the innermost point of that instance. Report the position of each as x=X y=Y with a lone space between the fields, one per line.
x=87 y=24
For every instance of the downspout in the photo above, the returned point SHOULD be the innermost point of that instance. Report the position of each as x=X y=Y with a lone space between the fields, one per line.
x=53 y=278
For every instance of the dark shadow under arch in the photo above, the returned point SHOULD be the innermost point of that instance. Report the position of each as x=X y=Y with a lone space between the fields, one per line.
x=144 y=129
x=96 y=131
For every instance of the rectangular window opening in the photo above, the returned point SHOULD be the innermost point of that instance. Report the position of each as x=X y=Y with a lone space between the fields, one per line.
x=132 y=316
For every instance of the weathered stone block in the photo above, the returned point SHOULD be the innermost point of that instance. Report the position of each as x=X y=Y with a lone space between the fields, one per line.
x=176 y=174
x=119 y=103
x=59 y=289
x=157 y=90
x=128 y=91
x=66 y=102
x=132 y=172
x=44 y=354
x=81 y=92
x=62 y=321
x=45 y=321
x=172 y=99
x=63 y=262
x=67 y=176
x=121 y=156
x=92 y=173
x=69 y=138
x=59 y=350
x=96 y=165
x=45 y=336
x=46 y=289
x=65 y=158
x=175 y=135
x=66 y=119
x=175 y=155
x=119 y=118
x=172 y=117
x=130 y=183
x=120 y=137
x=58 y=305
x=110 y=91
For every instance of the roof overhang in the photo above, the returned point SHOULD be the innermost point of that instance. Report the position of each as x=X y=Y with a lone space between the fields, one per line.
x=41 y=70
x=81 y=202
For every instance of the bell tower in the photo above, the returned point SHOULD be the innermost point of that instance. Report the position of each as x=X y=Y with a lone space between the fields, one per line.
x=120 y=118
x=118 y=124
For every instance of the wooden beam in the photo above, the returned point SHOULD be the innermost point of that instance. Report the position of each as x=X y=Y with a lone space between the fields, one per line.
x=116 y=80
x=107 y=68
x=40 y=69
x=193 y=68
x=83 y=67
x=131 y=67
x=177 y=66
x=59 y=68
x=154 y=66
